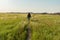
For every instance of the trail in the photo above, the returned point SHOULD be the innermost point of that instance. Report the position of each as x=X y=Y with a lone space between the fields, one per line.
x=28 y=30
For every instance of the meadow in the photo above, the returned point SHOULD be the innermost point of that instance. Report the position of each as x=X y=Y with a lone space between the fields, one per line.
x=43 y=27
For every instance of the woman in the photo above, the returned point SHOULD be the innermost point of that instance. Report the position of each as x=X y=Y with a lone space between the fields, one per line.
x=29 y=16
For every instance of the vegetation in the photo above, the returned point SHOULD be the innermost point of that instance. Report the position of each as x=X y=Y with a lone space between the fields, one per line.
x=43 y=27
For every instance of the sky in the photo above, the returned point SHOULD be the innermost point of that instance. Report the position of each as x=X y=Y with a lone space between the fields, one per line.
x=29 y=5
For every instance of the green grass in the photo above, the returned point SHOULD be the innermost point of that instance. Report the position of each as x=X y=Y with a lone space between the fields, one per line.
x=43 y=27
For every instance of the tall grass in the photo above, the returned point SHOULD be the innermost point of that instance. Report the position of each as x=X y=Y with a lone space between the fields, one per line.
x=43 y=27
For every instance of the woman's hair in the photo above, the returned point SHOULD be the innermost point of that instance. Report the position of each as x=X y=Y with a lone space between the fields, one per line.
x=29 y=15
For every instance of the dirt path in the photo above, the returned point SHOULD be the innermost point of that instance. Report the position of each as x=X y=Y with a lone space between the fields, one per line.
x=28 y=31
x=28 y=35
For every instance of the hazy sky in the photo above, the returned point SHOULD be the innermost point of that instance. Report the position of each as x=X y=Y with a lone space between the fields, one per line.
x=30 y=5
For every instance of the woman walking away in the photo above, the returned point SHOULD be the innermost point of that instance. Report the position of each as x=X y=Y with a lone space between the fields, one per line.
x=29 y=16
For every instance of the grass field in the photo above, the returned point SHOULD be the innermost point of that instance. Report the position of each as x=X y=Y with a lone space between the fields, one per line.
x=43 y=27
